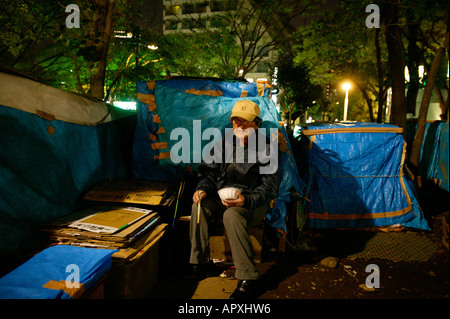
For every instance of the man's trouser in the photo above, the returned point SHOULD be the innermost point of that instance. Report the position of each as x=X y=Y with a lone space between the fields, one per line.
x=235 y=220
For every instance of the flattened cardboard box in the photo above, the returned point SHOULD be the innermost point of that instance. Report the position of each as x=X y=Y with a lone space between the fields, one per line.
x=133 y=191
x=140 y=246
x=131 y=223
x=110 y=220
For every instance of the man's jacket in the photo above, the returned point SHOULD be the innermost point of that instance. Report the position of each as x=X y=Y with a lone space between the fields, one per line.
x=243 y=172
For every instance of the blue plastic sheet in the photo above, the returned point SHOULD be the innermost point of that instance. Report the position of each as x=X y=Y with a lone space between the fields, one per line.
x=357 y=180
x=146 y=165
x=180 y=110
x=232 y=89
x=434 y=152
x=43 y=176
x=56 y=264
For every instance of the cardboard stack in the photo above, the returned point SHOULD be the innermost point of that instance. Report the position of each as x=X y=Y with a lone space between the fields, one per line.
x=123 y=215
x=129 y=229
x=140 y=192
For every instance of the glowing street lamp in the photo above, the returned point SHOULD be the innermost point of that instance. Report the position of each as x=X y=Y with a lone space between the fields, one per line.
x=346 y=86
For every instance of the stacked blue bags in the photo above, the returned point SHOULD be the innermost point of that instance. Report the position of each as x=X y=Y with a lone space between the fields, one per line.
x=58 y=272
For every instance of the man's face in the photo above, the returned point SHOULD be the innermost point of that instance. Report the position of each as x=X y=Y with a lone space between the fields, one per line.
x=243 y=128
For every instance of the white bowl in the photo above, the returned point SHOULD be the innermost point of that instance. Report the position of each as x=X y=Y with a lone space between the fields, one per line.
x=228 y=193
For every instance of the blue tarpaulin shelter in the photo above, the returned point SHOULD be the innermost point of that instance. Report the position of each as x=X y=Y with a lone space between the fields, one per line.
x=167 y=105
x=54 y=146
x=356 y=177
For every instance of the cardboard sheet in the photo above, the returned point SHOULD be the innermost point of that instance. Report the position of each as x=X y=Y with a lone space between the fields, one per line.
x=110 y=220
x=132 y=191
x=141 y=245
x=105 y=227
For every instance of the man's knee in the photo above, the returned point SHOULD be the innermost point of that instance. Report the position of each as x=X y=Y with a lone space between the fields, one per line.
x=233 y=215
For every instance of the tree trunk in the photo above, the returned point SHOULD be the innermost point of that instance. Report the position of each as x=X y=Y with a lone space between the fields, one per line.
x=368 y=100
x=443 y=105
x=413 y=67
x=396 y=64
x=290 y=120
x=103 y=25
x=422 y=120
x=380 y=77
x=77 y=74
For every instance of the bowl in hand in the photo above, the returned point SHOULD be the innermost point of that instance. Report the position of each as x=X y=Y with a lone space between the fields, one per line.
x=228 y=193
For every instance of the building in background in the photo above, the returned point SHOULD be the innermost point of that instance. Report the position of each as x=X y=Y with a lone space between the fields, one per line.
x=188 y=15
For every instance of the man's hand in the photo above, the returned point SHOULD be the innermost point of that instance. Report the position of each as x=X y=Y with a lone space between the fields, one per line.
x=198 y=196
x=235 y=202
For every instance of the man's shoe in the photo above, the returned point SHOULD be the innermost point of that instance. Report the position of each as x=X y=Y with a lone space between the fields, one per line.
x=246 y=289
x=202 y=271
x=197 y=272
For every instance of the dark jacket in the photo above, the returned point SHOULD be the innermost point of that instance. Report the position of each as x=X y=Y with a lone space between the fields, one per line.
x=258 y=189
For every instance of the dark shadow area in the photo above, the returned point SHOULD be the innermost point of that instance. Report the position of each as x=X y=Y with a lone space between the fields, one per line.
x=325 y=242
x=173 y=281
x=285 y=265
x=174 y=250
x=433 y=200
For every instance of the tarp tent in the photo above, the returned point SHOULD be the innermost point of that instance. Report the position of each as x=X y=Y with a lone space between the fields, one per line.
x=166 y=105
x=434 y=153
x=54 y=146
x=356 y=177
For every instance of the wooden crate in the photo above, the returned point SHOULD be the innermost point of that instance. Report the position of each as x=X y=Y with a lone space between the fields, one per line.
x=220 y=248
x=135 y=279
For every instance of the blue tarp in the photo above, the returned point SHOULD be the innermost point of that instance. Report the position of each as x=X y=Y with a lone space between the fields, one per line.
x=434 y=153
x=80 y=267
x=174 y=108
x=144 y=155
x=232 y=89
x=357 y=179
x=47 y=165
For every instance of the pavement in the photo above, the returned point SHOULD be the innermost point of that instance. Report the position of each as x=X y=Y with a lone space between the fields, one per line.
x=342 y=265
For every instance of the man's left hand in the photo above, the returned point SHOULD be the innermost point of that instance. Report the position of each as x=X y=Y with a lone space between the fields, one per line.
x=234 y=202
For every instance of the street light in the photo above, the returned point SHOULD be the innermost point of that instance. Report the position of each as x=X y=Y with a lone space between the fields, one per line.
x=346 y=86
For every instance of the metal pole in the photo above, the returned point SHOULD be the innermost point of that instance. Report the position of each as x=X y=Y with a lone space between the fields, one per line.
x=346 y=105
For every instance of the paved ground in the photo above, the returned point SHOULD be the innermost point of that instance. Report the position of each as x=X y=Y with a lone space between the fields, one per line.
x=301 y=274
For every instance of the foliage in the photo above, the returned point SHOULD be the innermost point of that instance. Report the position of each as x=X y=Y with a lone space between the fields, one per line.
x=196 y=53
x=339 y=47
x=241 y=35
x=294 y=80
x=37 y=41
